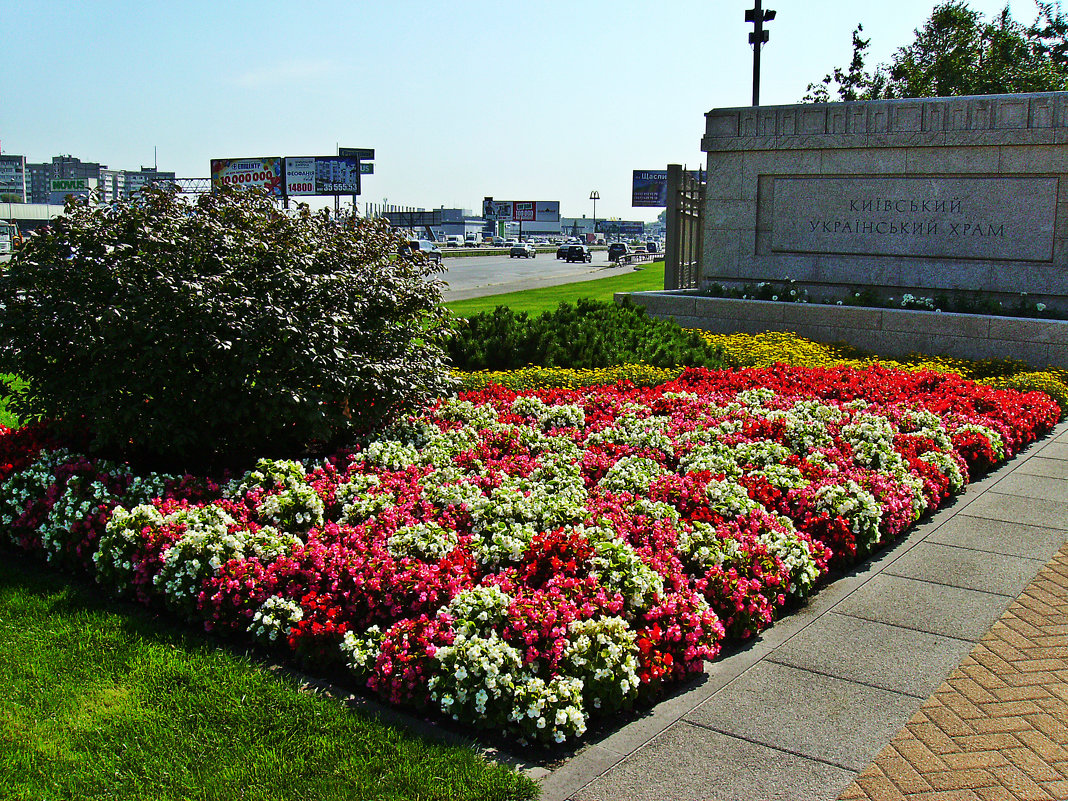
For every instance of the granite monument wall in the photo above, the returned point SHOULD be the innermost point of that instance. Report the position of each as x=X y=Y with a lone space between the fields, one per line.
x=929 y=196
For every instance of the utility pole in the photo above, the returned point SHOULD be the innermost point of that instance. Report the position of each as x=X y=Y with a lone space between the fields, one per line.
x=758 y=17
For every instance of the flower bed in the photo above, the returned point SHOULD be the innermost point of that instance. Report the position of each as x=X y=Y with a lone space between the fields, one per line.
x=526 y=561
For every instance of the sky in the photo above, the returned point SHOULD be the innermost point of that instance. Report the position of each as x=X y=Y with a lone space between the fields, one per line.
x=543 y=100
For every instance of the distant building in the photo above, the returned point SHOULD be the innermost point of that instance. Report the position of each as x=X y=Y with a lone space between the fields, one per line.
x=13 y=179
x=113 y=184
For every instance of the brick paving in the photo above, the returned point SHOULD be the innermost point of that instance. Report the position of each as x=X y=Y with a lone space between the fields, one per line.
x=997 y=728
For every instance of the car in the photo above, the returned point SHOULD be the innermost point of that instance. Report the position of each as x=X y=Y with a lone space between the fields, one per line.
x=561 y=252
x=522 y=250
x=651 y=247
x=425 y=246
x=578 y=253
x=498 y=241
x=471 y=242
x=617 y=249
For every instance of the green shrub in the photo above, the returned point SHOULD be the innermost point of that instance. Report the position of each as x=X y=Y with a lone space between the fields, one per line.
x=588 y=334
x=190 y=330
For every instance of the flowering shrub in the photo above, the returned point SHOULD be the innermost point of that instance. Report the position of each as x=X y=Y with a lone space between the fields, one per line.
x=525 y=561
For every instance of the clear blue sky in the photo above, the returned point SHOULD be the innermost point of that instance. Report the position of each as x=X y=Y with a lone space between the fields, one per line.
x=542 y=100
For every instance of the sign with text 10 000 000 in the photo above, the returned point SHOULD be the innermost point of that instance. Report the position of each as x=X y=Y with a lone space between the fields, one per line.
x=990 y=218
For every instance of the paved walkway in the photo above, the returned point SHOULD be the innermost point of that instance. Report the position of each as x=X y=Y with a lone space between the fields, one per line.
x=998 y=727
x=860 y=674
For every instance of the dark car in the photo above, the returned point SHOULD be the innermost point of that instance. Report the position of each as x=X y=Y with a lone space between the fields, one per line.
x=561 y=252
x=617 y=249
x=579 y=253
x=413 y=246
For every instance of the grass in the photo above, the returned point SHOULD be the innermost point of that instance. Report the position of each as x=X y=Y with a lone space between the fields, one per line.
x=543 y=299
x=99 y=700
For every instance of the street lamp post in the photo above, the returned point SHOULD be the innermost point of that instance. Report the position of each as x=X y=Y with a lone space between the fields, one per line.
x=595 y=196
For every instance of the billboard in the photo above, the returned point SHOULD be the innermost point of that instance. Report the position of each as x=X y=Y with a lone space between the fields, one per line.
x=547 y=211
x=59 y=188
x=264 y=172
x=521 y=210
x=413 y=219
x=337 y=175
x=13 y=177
x=649 y=187
x=322 y=175
x=620 y=227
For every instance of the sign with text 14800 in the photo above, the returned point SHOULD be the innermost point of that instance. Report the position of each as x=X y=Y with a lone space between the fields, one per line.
x=300 y=175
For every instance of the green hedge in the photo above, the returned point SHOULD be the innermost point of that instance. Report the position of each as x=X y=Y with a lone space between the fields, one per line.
x=584 y=335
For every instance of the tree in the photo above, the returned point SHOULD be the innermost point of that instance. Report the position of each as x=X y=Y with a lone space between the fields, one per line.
x=190 y=333
x=957 y=53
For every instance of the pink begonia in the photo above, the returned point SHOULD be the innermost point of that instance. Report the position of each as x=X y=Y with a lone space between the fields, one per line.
x=702 y=554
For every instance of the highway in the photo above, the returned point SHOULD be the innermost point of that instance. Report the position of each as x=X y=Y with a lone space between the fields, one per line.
x=477 y=276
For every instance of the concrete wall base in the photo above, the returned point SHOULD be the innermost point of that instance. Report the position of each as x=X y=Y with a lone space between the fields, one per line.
x=888 y=332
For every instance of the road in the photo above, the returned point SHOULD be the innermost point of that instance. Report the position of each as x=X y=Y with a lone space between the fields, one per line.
x=477 y=276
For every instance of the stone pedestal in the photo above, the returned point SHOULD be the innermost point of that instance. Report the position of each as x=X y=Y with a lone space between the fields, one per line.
x=941 y=195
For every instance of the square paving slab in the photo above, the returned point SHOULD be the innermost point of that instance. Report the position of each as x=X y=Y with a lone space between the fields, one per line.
x=689 y=763
x=864 y=651
x=1048 y=513
x=963 y=567
x=925 y=606
x=998 y=536
x=820 y=717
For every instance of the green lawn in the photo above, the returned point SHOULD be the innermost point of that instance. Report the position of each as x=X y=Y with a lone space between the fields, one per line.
x=543 y=299
x=99 y=700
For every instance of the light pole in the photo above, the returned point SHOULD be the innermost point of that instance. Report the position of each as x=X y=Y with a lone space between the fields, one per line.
x=595 y=196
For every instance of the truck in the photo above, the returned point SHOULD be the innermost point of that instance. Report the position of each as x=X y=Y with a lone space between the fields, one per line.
x=10 y=239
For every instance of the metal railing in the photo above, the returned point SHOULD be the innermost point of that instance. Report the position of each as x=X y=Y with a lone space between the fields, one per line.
x=633 y=258
x=682 y=249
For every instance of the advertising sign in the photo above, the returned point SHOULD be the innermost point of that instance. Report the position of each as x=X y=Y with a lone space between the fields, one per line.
x=497 y=209
x=13 y=177
x=337 y=175
x=300 y=175
x=59 y=188
x=620 y=227
x=649 y=188
x=523 y=211
x=548 y=211
x=264 y=172
x=361 y=153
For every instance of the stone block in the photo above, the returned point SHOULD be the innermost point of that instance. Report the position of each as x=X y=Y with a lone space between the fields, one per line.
x=956 y=325
x=724 y=177
x=1031 y=159
x=1056 y=356
x=737 y=215
x=842 y=317
x=943 y=160
x=863 y=161
x=1024 y=330
x=662 y=305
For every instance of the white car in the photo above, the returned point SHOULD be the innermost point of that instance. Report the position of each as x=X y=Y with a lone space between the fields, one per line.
x=522 y=250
